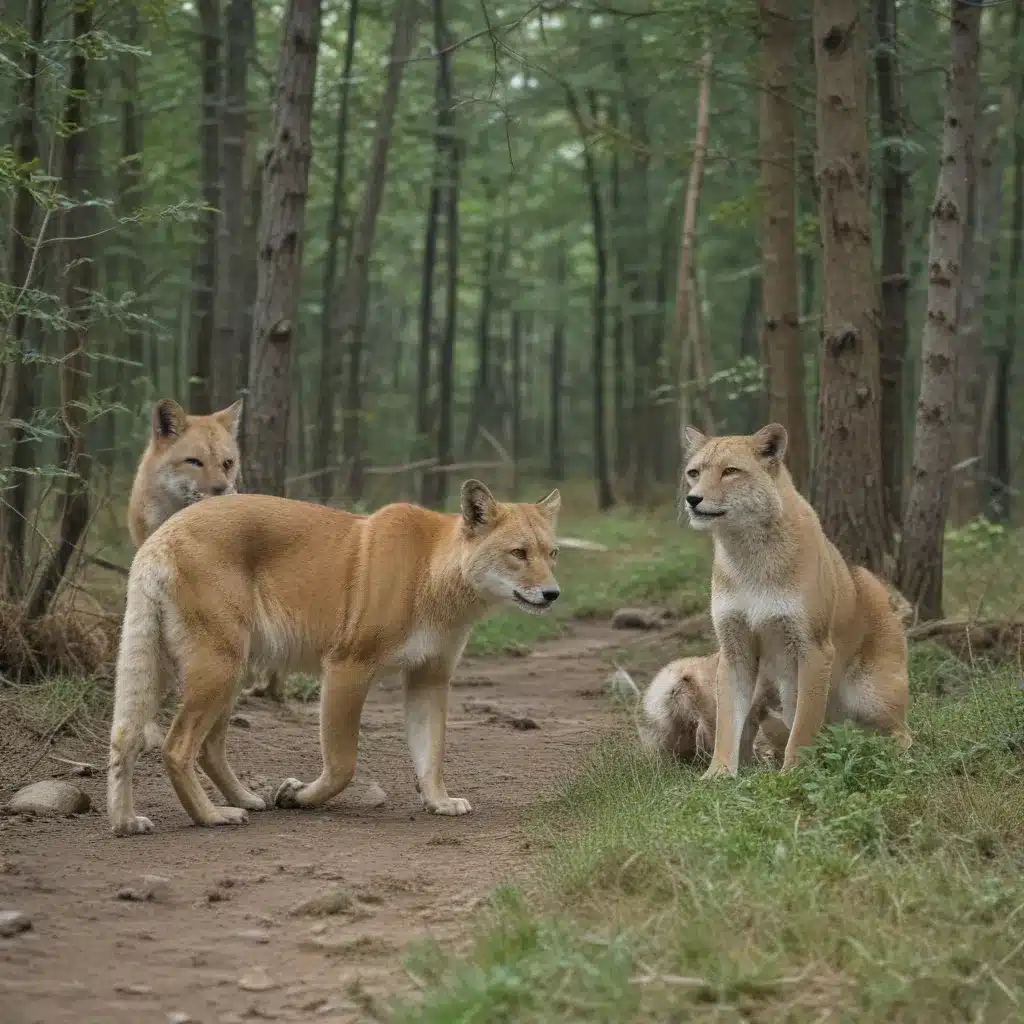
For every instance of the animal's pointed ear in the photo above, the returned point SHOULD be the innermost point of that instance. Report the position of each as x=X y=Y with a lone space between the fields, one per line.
x=770 y=444
x=551 y=505
x=694 y=440
x=231 y=418
x=478 y=505
x=169 y=419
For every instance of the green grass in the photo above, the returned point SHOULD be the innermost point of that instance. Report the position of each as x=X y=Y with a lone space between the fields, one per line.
x=651 y=559
x=864 y=886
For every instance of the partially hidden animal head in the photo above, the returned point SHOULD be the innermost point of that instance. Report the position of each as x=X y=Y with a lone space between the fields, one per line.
x=194 y=457
x=677 y=717
x=729 y=482
x=510 y=552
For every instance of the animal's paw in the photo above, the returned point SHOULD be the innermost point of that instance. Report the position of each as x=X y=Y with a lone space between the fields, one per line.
x=287 y=793
x=252 y=802
x=137 y=826
x=450 y=805
x=229 y=816
x=718 y=770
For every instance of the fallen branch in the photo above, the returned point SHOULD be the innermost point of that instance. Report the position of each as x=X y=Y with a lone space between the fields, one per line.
x=105 y=564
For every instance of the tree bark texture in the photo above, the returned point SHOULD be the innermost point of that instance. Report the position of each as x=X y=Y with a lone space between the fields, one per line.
x=682 y=339
x=895 y=189
x=19 y=380
x=931 y=479
x=781 y=344
x=229 y=312
x=620 y=380
x=285 y=186
x=204 y=272
x=556 y=451
x=335 y=231
x=482 y=377
x=78 y=264
x=848 y=479
x=353 y=299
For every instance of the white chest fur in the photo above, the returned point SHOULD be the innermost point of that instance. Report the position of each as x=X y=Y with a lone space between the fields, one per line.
x=421 y=645
x=757 y=606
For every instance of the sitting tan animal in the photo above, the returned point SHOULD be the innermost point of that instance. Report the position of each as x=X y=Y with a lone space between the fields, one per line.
x=785 y=605
x=257 y=580
x=677 y=716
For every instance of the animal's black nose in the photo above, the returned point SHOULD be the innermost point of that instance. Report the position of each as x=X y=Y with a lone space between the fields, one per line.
x=218 y=489
x=551 y=595
x=693 y=500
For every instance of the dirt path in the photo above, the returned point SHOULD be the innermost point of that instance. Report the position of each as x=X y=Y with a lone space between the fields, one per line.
x=223 y=944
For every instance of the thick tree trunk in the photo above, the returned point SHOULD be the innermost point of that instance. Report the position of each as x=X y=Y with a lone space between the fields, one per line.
x=204 y=271
x=229 y=312
x=450 y=192
x=131 y=179
x=482 y=378
x=78 y=229
x=848 y=477
x=599 y=435
x=752 y=414
x=682 y=337
x=895 y=187
x=920 y=556
x=335 y=230
x=556 y=451
x=780 y=337
x=620 y=382
x=353 y=300
x=19 y=380
x=285 y=185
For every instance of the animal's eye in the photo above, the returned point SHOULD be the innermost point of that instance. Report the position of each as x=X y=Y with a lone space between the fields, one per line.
x=693 y=473
x=228 y=463
x=554 y=554
x=519 y=553
x=195 y=462
x=729 y=471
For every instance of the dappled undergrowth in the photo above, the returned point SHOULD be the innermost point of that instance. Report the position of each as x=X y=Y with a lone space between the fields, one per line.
x=865 y=885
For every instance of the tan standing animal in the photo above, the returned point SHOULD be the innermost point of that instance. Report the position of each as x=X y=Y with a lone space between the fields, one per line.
x=785 y=605
x=256 y=580
x=677 y=716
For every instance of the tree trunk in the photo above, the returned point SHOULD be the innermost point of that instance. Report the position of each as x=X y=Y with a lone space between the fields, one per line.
x=353 y=302
x=751 y=415
x=1000 y=447
x=204 y=271
x=781 y=345
x=482 y=379
x=920 y=556
x=848 y=478
x=620 y=382
x=556 y=451
x=335 y=230
x=19 y=383
x=516 y=400
x=450 y=188
x=682 y=338
x=229 y=313
x=895 y=186
x=285 y=185
x=78 y=229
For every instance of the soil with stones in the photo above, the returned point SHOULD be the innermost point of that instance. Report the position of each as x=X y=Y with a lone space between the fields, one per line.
x=301 y=915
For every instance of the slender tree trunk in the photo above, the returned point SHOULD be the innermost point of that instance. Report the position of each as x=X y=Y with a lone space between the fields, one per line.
x=229 y=314
x=204 y=272
x=920 y=556
x=78 y=229
x=353 y=303
x=446 y=368
x=848 y=479
x=1000 y=447
x=20 y=380
x=482 y=379
x=516 y=399
x=895 y=188
x=682 y=337
x=751 y=414
x=335 y=230
x=556 y=451
x=285 y=186
x=620 y=382
x=130 y=175
x=781 y=344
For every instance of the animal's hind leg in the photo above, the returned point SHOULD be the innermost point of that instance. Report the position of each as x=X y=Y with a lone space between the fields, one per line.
x=213 y=759
x=208 y=687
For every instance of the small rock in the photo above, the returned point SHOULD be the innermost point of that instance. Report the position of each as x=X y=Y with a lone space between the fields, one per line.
x=256 y=935
x=636 y=618
x=334 y=901
x=240 y=722
x=134 y=990
x=216 y=896
x=50 y=796
x=13 y=922
x=179 y=1017
x=314 y=1004
x=257 y=980
x=154 y=888
x=523 y=722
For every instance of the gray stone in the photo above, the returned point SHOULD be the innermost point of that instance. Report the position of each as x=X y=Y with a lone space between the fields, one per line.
x=13 y=922
x=49 y=796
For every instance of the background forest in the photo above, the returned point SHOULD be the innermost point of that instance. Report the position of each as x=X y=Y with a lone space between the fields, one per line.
x=521 y=241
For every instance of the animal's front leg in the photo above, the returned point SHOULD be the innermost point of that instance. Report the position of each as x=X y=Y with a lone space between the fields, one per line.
x=734 y=687
x=343 y=690
x=426 y=716
x=814 y=676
